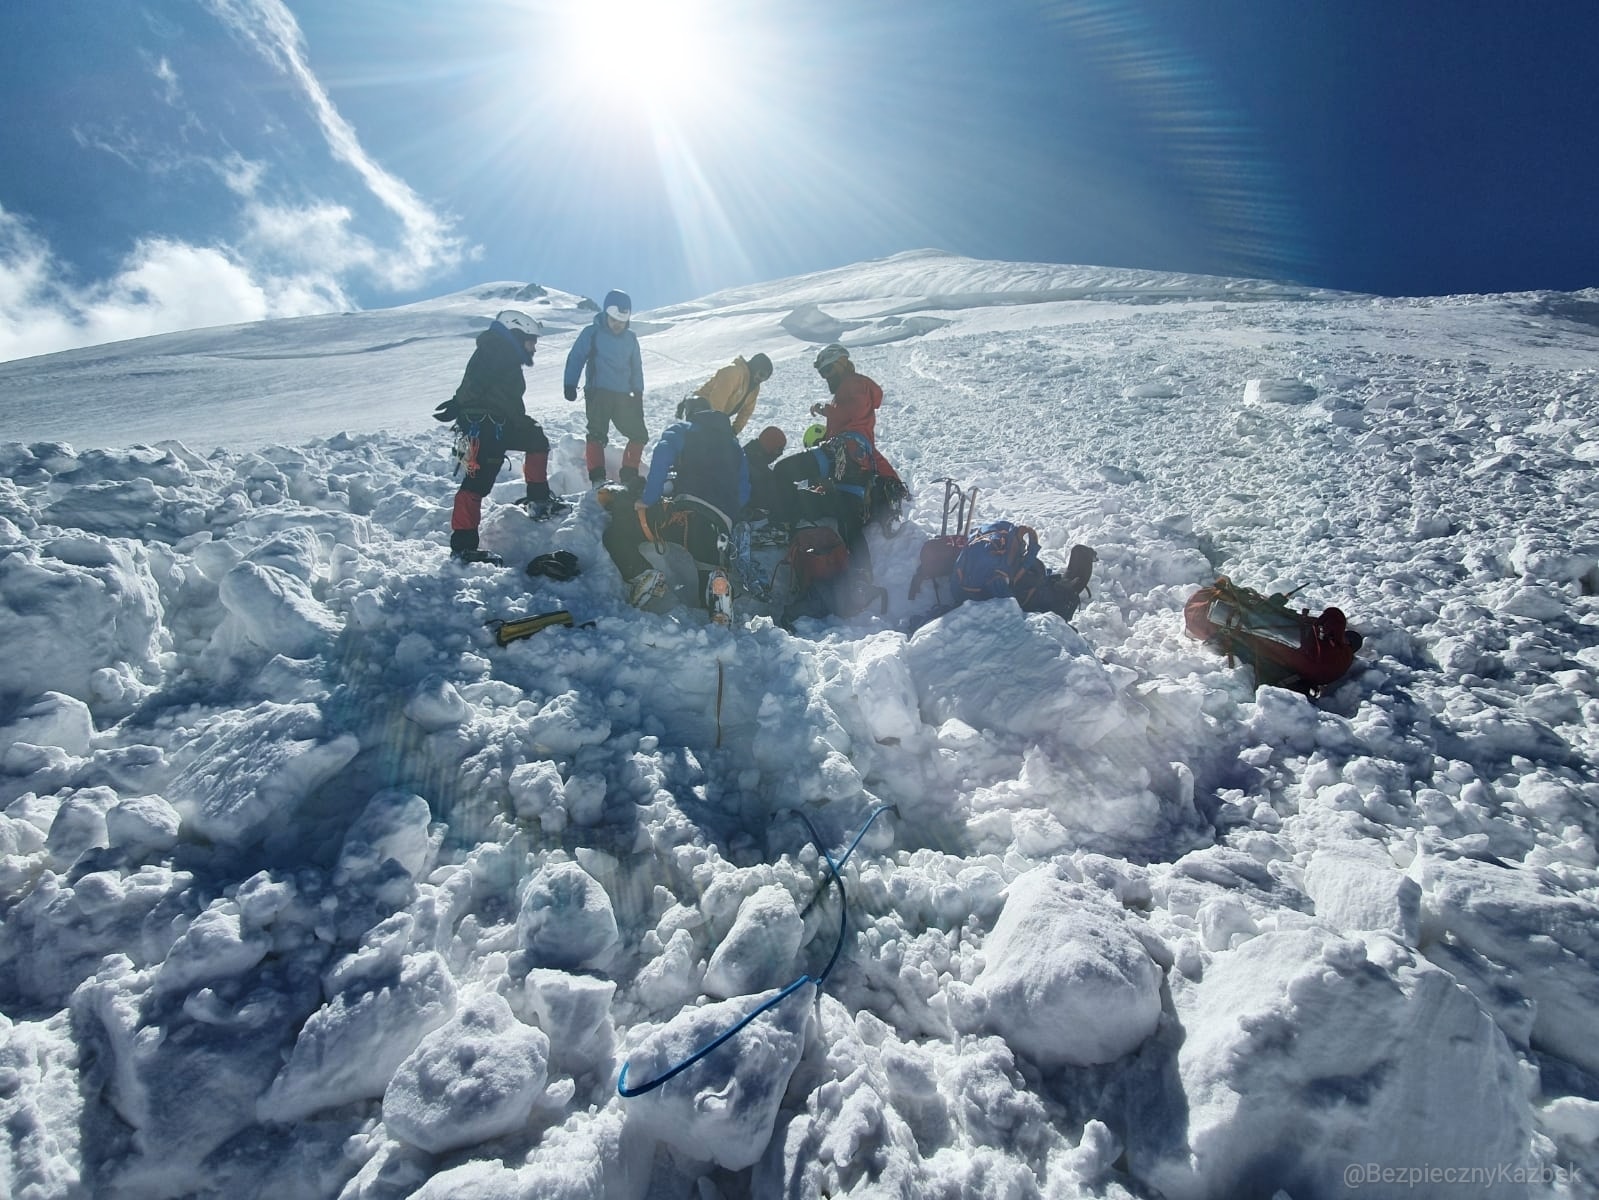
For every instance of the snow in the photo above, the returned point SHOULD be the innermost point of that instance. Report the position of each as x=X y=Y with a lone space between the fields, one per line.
x=310 y=889
x=1065 y=977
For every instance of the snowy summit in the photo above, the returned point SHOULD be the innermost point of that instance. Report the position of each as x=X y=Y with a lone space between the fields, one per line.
x=312 y=889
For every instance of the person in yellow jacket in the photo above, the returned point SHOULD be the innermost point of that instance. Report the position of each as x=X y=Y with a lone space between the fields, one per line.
x=735 y=388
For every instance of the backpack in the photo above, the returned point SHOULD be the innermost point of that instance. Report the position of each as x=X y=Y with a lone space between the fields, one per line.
x=1283 y=648
x=1000 y=559
x=815 y=553
x=814 y=578
x=938 y=554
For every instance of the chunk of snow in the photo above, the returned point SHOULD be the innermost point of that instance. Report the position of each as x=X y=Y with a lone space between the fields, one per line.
x=474 y=1078
x=1066 y=982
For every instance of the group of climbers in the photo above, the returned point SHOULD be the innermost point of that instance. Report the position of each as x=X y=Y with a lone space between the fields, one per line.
x=700 y=482
x=702 y=487
x=490 y=418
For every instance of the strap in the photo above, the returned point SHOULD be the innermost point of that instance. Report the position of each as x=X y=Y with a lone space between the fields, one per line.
x=1030 y=539
x=690 y=498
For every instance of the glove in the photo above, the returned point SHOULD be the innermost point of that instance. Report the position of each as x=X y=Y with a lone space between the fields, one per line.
x=570 y=391
x=446 y=412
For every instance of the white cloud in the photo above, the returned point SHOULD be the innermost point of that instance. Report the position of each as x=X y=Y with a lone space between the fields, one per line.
x=162 y=286
x=242 y=176
x=312 y=237
x=171 y=92
x=289 y=260
x=429 y=244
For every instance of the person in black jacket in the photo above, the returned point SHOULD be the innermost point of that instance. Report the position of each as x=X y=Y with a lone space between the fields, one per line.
x=760 y=453
x=487 y=408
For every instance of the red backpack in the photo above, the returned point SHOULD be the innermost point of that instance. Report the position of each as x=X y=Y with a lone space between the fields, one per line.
x=814 y=579
x=938 y=555
x=814 y=554
x=1283 y=648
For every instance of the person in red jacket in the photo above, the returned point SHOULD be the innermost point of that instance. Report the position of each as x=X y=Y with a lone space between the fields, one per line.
x=856 y=398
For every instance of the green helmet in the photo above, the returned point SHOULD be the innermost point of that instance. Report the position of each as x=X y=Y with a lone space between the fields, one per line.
x=814 y=435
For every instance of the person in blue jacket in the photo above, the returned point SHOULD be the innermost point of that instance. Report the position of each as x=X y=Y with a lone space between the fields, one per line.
x=699 y=481
x=606 y=356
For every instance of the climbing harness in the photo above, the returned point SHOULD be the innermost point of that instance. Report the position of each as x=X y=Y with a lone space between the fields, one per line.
x=469 y=438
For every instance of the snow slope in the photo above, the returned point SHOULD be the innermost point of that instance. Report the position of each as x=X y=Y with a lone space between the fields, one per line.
x=310 y=889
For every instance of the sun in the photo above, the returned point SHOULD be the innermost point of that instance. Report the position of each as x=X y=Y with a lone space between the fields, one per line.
x=642 y=53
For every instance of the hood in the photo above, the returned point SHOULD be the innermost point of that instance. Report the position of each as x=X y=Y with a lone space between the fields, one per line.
x=498 y=332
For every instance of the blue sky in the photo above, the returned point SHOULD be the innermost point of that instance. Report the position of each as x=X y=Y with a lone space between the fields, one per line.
x=213 y=161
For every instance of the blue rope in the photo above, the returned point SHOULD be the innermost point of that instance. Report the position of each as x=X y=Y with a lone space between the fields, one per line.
x=834 y=876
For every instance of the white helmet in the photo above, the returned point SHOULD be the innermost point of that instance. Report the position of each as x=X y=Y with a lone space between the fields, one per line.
x=519 y=322
x=828 y=355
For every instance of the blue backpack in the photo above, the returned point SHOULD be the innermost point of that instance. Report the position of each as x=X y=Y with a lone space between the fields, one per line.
x=1001 y=559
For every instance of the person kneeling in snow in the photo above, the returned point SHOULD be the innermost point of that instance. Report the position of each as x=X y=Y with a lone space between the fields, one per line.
x=760 y=453
x=698 y=482
x=490 y=419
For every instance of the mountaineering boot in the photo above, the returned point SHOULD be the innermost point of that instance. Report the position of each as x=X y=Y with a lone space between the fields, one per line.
x=719 y=598
x=464 y=549
x=542 y=504
x=649 y=584
x=1079 y=566
x=1069 y=588
x=596 y=475
x=561 y=565
x=631 y=480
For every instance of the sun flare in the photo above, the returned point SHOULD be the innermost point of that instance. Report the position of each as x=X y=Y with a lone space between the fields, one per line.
x=642 y=53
